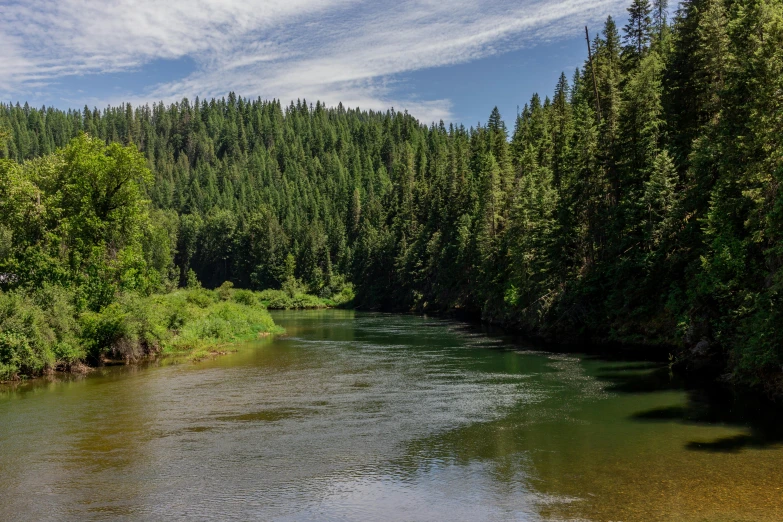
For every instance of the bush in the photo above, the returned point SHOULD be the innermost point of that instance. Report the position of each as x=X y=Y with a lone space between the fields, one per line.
x=37 y=332
x=245 y=297
x=128 y=329
x=275 y=299
x=201 y=298
x=224 y=290
x=59 y=313
x=282 y=300
x=177 y=315
x=224 y=322
x=345 y=296
x=182 y=320
x=16 y=353
x=40 y=331
x=103 y=332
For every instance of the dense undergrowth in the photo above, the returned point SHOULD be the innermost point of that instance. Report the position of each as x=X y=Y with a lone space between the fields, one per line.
x=40 y=331
x=299 y=300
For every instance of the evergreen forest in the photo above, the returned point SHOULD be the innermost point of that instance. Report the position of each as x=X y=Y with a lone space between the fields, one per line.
x=638 y=203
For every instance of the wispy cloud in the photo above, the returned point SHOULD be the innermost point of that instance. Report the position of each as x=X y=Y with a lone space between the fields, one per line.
x=332 y=50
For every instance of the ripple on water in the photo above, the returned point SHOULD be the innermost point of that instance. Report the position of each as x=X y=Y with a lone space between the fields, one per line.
x=380 y=417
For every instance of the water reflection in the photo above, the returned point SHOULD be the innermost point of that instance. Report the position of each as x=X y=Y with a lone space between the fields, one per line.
x=371 y=416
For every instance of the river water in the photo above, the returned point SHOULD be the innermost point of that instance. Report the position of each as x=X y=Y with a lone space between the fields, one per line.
x=358 y=416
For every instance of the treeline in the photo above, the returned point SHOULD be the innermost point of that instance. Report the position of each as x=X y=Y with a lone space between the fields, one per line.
x=639 y=203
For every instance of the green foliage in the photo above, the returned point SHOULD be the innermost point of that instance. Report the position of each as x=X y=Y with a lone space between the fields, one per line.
x=282 y=300
x=640 y=203
x=638 y=31
x=79 y=218
x=81 y=255
x=183 y=320
x=201 y=298
x=223 y=323
x=192 y=280
x=224 y=291
x=245 y=297
x=37 y=332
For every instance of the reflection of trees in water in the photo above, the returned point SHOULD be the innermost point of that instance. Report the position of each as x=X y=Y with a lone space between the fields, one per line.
x=582 y=451
x=85 y=438
x=376 y=406
x=707 y=404
x=526 y=456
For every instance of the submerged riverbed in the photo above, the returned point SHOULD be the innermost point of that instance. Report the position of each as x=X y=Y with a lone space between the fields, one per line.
x=358 y=416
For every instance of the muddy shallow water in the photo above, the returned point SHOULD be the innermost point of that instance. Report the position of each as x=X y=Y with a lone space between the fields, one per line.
x=358 y=416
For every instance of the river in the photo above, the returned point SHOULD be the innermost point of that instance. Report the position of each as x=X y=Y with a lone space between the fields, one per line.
x=361 y=416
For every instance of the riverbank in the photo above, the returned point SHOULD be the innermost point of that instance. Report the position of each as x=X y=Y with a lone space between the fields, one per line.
x=41 y=333
x=707 y=364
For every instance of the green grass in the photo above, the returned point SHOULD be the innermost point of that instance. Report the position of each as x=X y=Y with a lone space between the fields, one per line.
x=195 y=320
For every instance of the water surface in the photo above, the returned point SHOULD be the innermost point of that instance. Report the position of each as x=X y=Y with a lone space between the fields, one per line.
x=356 y=416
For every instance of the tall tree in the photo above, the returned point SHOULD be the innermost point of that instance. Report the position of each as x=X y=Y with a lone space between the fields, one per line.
x=638 y=30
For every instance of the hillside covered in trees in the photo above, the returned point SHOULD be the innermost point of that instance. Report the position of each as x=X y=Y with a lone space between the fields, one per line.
x=639 y=203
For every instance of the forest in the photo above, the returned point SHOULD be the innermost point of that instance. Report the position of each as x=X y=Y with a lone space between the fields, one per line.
x=639 y=203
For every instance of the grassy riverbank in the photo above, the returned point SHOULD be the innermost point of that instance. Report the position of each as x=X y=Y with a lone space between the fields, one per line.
x=40 y=331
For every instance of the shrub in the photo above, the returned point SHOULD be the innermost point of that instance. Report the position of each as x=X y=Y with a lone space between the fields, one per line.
x=346 y=295
x=282 y=300
x=245 y=297
x=40 y=331
x=222 y=323
x=37 y=332
x=104 y=332
x=56 y=303
x=177 y=315
x=224 y=290
x=276 y=299
x=201 y=298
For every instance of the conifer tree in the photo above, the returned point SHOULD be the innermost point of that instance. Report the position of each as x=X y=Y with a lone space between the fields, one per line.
x=638 y=30
x=660 y=16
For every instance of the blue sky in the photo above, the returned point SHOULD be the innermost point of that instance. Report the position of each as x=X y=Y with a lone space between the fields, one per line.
x=452 y=60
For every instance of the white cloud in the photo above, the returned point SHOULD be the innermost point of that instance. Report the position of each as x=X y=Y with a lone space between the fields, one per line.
x=332 y=50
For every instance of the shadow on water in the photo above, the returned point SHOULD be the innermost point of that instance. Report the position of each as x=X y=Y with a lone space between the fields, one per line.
x=648 y=378
x=761 y=419
x=707 y=404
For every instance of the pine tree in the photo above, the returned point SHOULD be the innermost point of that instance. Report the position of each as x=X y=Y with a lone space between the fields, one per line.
x=638 y=30
x=660 y=16
x=659 y=198
x=711 y=56
x=562 y=131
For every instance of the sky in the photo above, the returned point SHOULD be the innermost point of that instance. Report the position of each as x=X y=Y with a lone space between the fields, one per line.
x=450 y=60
